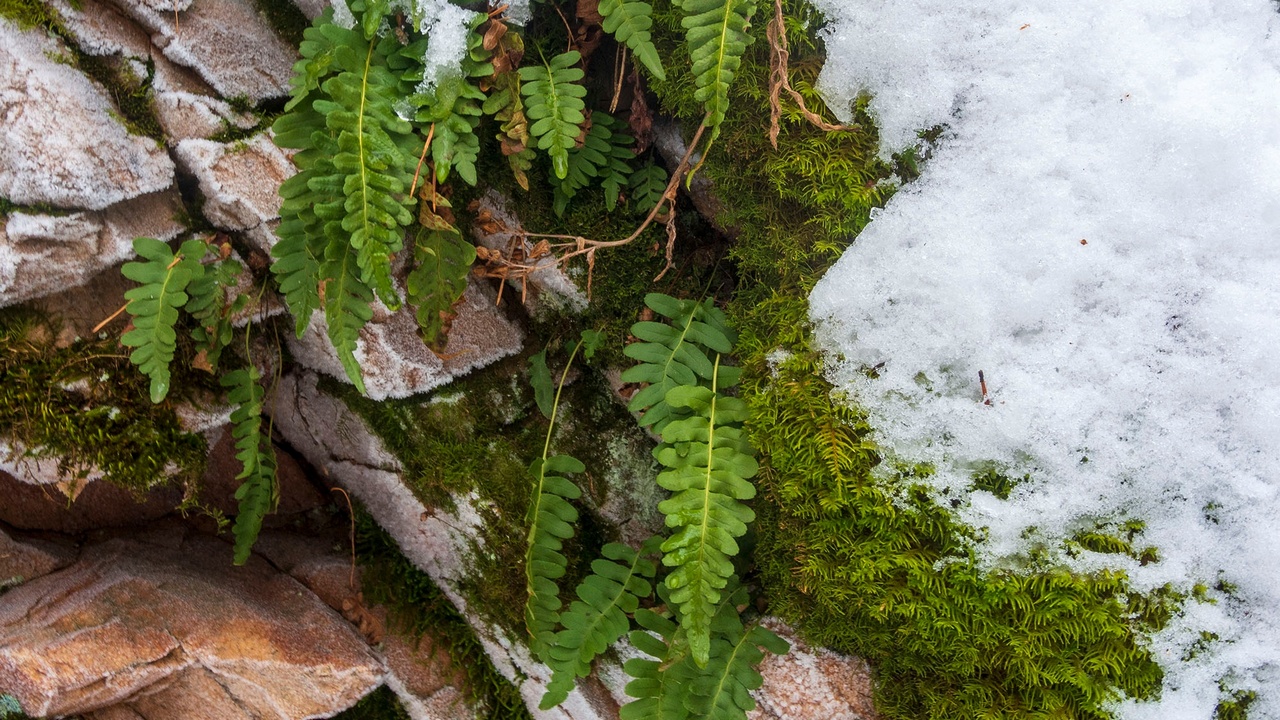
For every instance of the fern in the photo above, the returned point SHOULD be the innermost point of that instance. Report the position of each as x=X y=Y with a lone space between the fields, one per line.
x=603 y=158
x=716 y=34
x=555 y=105
x=647 y=186
x=661 y=686
x=709 y=463
x=630 y=21
x=154 y=305
x=257 y=493
x=723 y=692
x=208 y=305
x=346 y=307
x=550 y=518
x=599 y=617
x=443 y=259
x=673 y=354
x=506 y=106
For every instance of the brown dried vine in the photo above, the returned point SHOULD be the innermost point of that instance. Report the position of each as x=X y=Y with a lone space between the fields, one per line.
x=780 y=79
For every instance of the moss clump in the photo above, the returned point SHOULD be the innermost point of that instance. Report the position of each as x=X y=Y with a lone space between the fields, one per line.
x=87 y=407
x=863 y=560
x=1236 y=706
x=418 y=606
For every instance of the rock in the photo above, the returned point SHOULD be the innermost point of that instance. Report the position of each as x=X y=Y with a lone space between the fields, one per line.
x=544 y=290
x=227 y=42
x=23 y=559
x=330 y=436
x=812 y=684
x=672 y=147
x=178 y=633
x=311 y=8
x=31 y=506
x=44 y=254
x=394 y=360
x=239 y=183
x=59 y=142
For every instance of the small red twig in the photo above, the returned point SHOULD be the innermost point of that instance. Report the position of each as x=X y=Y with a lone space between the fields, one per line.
x=982 y=382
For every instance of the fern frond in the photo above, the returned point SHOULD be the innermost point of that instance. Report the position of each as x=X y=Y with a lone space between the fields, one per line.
x=723 y=691
x=647 y=187
x=372 y=158
x=443 y=261
x=630 y=21
x=708 y=464
x=555 y=105
x=602 y=158
x=716 y=33
x=599 y=616
x=154 y=305
x=257 y=491
x=661 y=686
x=550 y=519
x=346 y=307
x=506 y=106
x=208 y=305
x=673 y=354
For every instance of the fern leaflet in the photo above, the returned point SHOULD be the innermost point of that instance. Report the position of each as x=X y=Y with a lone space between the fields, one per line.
x=555 y=105
x=346 y=307
x=154 y=305
x=550 y=519
x=673 y=354
x=599 y=617
x=208 y=305
x=257 y=491
x=661 y=685
x=647 y=187
x=630 y=21
x=716 y=33
x=443 y=259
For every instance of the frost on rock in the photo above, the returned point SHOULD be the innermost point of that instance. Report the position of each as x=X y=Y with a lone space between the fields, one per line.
x=446 y=27
x=1097 y=232
x=239 y=183
x=59 y=141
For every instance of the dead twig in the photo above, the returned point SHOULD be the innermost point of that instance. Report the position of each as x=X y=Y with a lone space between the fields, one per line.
x=351 y=512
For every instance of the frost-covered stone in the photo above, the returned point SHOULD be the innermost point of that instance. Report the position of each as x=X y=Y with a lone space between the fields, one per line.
x=812 y=683
x=227 y=42
x=167 y=626
x=239 y=183
x=60 y=143
x=394 y=360
x=45 y=254
x=332 y=437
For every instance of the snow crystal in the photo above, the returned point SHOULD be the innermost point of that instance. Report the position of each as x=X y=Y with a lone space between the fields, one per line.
x=446 y=27
x=1097 y=232
x=342 y=16
x=518 y=11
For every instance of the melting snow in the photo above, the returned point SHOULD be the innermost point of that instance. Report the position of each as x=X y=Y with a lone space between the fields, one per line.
x=1099 y=232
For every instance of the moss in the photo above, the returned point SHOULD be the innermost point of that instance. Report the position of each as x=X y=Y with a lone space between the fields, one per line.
x=132 y=94
x=381 y=704
x=418 y=606
x=87 y=407
x=285 y=19
x=1235 y=706
x=852 y=547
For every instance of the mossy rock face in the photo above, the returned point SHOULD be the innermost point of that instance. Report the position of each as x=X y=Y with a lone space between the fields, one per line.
x=85 y=406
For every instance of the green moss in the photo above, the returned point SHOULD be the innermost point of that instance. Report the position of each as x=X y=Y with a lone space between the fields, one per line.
x=418 y=606
x=381 y=704
x=87 y=407
x=1236 y=706
x=132 y=94
x=285 y=19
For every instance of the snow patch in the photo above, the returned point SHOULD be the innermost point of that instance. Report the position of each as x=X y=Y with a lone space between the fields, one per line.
x=1097 y=232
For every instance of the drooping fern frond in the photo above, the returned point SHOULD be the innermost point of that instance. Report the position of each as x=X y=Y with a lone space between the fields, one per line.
x=443 y=261
x=163 y=278
x=716 y=34
x=346 y=307
x=630 y=21
x=708 y=462
x=506 y=105
x=661 y=685
x=723 y=691
x=257 y=492
x=208 y=305
x=555 y=105
x=603 y=158
x=674 y=353
x=551 y=520
x=598 y=618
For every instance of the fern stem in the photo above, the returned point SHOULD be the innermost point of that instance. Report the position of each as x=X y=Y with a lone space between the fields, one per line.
x=555 y=406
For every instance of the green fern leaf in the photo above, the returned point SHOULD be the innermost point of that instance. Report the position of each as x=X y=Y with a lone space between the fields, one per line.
x=647 y=187
x=630 y=21
x=716 y=33
x=723 y=691
x=208 y=305
x=154 y=305
x=544 y=388
x=661 y=685
x=551 y=520
x=257 y=491
x=673 y=354
x=346 y=307
x=443 y=261
x=708 y=463
x=599 y=616
x=555 y=106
